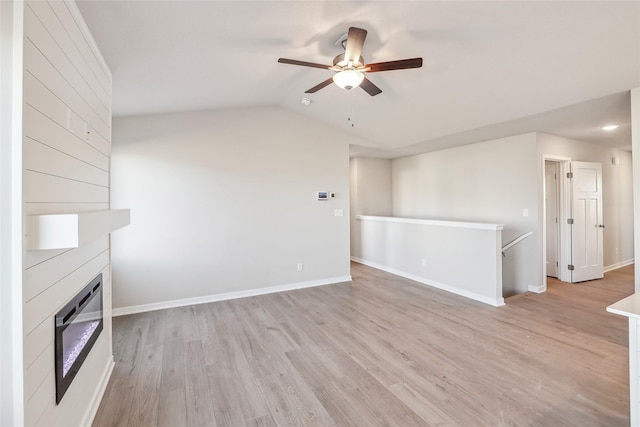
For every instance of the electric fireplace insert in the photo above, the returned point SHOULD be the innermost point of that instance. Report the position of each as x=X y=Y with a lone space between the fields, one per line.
x=78 y=326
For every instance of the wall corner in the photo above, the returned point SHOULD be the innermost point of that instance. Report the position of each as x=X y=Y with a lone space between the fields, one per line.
x=635 y=152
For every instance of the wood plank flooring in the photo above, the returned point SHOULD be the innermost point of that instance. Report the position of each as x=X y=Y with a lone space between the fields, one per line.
x=380 y=351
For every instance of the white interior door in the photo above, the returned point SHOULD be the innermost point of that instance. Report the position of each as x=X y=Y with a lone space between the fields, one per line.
x=551 y=215
x=588 y=227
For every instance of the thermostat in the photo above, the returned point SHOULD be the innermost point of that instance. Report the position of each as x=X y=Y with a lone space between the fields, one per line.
x=326 y=195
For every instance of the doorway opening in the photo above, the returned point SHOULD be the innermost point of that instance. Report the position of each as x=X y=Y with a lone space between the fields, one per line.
x=572 y=241
x=552 y=216
x=556 y=237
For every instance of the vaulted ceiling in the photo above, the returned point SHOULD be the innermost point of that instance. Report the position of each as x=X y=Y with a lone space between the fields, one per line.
x=491 y=69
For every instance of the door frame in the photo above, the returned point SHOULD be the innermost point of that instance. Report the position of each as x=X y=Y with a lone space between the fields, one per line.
x=564 y=209
x=552 y=167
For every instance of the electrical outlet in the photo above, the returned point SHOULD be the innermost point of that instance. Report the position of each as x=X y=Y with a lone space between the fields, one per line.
x=525 y=212
x=424 y=262
x=300 y=266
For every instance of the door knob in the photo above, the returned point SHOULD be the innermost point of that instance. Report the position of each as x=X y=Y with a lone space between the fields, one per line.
x=601 y=225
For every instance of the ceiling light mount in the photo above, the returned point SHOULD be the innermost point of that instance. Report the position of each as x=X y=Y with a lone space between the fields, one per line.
x=342 y=41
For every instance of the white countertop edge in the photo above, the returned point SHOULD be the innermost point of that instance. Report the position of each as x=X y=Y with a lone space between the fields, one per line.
x=456 y=224
x=629 y=306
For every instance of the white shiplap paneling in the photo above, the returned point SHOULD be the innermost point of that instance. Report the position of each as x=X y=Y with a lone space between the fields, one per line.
x=38 y=96
x=45 y=14
x=53 y=208
x=66 y=149
x=42 y=276
x=39 y=400
x=58 y=415
x=40 y=37
x=48 y=188
x=42 y=158
x=38 y=66
x=36 y=342
x=81 y=39
x=42 y=129
x=38 y=371
x=46 y=304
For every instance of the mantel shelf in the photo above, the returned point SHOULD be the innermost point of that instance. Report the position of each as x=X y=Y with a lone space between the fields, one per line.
x=71 y=230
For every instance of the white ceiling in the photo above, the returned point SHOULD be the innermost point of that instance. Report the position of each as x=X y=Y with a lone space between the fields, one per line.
x=491 y=69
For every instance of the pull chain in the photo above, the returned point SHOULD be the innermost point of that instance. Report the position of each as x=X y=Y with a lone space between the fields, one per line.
x=349 y=108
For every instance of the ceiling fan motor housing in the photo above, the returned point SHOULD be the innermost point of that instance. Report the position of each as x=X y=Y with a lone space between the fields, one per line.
x=339 y=61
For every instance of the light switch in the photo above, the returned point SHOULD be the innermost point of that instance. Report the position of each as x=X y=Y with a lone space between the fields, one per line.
x=338 y=212
x=525 y=212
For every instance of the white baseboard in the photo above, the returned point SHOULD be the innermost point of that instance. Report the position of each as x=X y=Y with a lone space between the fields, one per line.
x=123 y=311
x=498 y=302
x=618 y=265
x=98 y=394
x=537 y=289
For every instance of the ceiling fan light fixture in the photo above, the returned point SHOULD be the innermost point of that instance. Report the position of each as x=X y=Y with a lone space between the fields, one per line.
x=348 y=79
x=349 y=67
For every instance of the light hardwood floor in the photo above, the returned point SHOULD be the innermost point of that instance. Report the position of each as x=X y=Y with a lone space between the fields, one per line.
x=381 y=350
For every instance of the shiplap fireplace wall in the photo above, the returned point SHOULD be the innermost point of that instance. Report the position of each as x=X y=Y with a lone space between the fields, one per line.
x=66 y=163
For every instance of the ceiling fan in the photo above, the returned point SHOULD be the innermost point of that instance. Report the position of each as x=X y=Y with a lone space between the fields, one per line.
x=350 y=67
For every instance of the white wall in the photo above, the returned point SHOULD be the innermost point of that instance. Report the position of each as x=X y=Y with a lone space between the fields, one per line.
x=65 y=169
x=635 y=142
x=492 y=182
x=11 y=366
x=370 y=186
x=225 y=202
x=617 y=203
x=432 y=252
x=371 y=179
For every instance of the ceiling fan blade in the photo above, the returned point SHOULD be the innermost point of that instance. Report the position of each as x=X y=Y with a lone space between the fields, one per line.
x=303 y=63
x=369 y=87
x=402 y=64
x=320 y=86
x=355 y=41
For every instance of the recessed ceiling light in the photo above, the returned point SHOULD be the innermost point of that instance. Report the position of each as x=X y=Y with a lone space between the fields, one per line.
x=610 y=127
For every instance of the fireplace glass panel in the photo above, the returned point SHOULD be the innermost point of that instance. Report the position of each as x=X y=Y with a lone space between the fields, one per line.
x=78 y=326
x=77 y=334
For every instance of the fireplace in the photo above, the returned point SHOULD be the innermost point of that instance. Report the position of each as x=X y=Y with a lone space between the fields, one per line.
x=78 y=326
